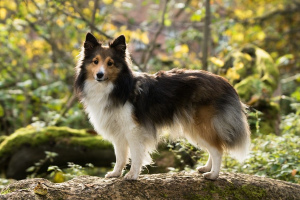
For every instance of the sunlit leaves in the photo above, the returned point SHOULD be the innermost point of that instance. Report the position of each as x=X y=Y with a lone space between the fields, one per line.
x=198 y=15
x=107 y=1
x=243 y=14
x=216 y=61
x=181 y=50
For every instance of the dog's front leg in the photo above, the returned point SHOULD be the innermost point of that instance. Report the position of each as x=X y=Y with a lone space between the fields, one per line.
x=137 y=141
x=121 y=152
x=137 y=153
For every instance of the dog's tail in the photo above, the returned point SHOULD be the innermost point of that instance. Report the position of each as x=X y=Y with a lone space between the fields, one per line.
x=232 y=127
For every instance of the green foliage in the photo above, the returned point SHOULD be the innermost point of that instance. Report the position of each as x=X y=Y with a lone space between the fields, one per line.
x=58 y=175
x=290 y=123
x=37 y=166
x=73 y=170
x=271 y=156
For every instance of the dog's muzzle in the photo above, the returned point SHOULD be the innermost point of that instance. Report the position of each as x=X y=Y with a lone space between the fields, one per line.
x=100 y=77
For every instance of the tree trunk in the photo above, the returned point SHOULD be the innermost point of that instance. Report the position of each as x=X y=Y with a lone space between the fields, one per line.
x=206 y=37
x=156 y=186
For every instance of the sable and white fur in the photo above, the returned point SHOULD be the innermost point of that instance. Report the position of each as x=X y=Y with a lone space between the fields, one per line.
x=130 y=108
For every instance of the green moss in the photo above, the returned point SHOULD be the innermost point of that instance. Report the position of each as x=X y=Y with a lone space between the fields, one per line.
x=6 y=191
x=90 y=142
x=61 y=135
x=2 y=138
x=253 y=191
x=164 y=195
x=229 y=191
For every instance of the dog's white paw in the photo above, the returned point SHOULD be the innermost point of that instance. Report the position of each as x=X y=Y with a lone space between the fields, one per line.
x=113 y=174
x=131 y=176
x=211 y=175
x=203 y=169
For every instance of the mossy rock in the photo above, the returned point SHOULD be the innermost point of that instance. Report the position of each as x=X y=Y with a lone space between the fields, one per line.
x=29 y=145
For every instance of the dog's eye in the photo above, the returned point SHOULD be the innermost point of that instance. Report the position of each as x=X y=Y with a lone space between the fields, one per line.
x=96 y=62
x=109 y=63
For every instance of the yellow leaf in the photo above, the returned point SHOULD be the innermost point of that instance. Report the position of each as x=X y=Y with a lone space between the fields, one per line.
x=22 y=42
x=144 y=38
x=58 y=177
x=184 y=48
x=239 y=37
x=59 y=22
x=87 y=12
x=2 y=13
x=177 y=63
x=180 y=50
x=232 y=74
x=91 y=4
x=261 y=35
x=107 y=1
x=109 y=27
x=14 y=62
x=217 y=61
x=238 y=66
x=81 y=26
x=164 y=57
x=70 y=9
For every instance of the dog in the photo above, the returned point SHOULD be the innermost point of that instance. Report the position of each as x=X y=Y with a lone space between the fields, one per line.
x=130 y=108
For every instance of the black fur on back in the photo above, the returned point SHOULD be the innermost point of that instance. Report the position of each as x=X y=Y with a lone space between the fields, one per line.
x=162 y=96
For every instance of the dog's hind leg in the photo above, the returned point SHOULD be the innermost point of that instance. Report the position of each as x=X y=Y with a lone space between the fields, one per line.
x=215 y=159
x=202 y=134
x=206 y=167
x=121 y=152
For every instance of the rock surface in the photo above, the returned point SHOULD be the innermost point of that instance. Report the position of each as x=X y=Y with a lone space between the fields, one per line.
x=155 y=186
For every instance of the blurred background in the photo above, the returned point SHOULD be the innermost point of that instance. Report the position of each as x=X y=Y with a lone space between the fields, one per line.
x=44 y=131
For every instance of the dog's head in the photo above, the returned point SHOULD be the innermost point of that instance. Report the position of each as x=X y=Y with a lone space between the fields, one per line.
x=103 y=63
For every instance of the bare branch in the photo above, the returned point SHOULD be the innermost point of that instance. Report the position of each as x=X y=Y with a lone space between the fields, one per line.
x=147 y=55
x=96 y=3
x=186 y=4
x=89 y=23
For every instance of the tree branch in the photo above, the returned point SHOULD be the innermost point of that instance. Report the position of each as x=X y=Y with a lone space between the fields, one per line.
x=96 y=3
x=82 y=18
x=186 y=4
x=148 y=54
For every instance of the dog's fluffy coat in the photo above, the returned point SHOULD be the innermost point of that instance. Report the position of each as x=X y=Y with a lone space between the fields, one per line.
x=130 y=108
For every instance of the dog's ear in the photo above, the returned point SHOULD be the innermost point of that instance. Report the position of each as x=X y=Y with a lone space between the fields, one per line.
x=119 y=44
x=90 y=41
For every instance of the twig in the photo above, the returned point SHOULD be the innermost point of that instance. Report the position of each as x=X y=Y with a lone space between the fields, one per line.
x=69 y=105
x=87 y=21
x=291 y=78
x=186 y=4
x=147 y=55
x=94 y=14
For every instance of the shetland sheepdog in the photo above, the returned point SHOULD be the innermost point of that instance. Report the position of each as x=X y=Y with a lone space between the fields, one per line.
x=129 y=108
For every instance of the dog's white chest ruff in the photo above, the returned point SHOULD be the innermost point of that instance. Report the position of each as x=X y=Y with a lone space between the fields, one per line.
x=109 y=121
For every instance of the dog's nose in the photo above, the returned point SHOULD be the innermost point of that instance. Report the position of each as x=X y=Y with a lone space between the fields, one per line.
x=100 y=75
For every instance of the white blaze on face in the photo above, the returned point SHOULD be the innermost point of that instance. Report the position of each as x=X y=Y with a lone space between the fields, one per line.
x=102 y=69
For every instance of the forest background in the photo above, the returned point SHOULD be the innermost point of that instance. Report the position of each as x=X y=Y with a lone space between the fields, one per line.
x=255 y=44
